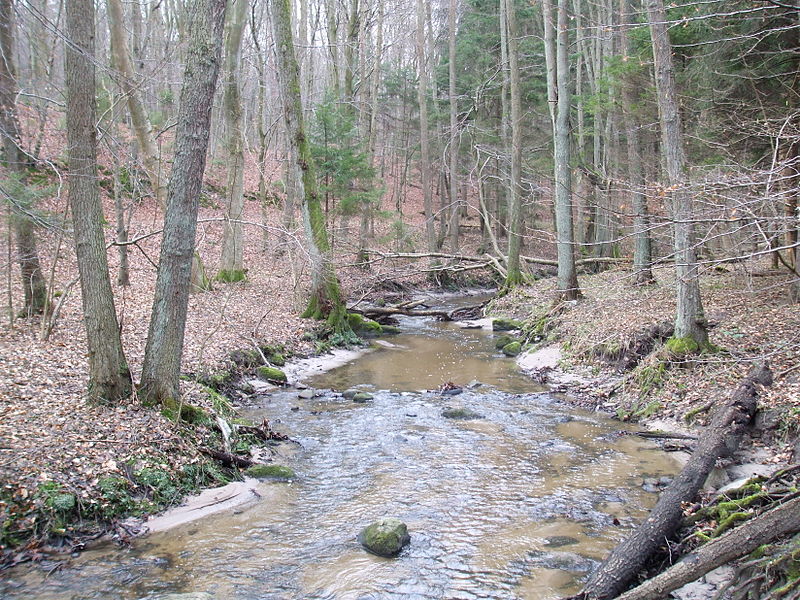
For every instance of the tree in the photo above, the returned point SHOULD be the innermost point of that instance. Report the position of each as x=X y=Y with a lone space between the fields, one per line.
x=109 y=377
x=642 y=256
x=424 y=134
x=33 y=283
x=455 y=209
x=567 y=276
x=139 y=117
x=232 y=263
x=325 y=301
x=690 y=325
x=164 y=348
x=514 y=275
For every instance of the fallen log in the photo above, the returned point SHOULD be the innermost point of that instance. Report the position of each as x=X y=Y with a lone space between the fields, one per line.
x=767 y=528
x=721 y=438
x=373 y=312
x=228 y=459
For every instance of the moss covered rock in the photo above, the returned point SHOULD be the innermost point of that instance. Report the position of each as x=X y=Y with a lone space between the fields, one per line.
x=363 y=326
x=270 y=472
x=362 y=397
x=272 y=374
x=391 y=329
x=504 y=324
x=512 y=349
x=503 y=340
x=460 y=414
x=385 y=537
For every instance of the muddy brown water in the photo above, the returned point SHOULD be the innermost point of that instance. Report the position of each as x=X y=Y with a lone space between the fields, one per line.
x=519 y=504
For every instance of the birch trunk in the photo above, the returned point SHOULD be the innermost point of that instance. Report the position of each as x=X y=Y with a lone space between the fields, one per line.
x=690 y=323
x=232 y=260
x=164 y=349
x=109 y=377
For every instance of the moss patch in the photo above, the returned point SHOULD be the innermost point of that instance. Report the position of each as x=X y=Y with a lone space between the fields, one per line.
x=504 y=324
x=363 y=326
x=512 y=349
x=272 y=374
x=270 y=472
x=231 y=275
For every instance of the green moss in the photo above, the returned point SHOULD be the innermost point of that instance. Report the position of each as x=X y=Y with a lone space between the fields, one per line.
x=678 y=347
x=270 y=472
x=275 y=354
x=729 y=522
x=231 y=275
x=391 y=329
x=505 y=324
x=217 y=380
x=460 y=414
x=362 y=397
x=194 y=415
x=272 y=374
x=363 y=326
x=503 y=340
x=512 y=349
x=650 y=378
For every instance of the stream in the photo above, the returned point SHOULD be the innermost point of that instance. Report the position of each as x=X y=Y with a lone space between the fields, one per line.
x=520 y=503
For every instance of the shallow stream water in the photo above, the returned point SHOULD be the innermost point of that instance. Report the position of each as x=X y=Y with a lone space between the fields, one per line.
x=520 y=503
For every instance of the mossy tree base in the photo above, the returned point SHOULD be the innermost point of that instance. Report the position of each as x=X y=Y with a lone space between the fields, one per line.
x=231 y=276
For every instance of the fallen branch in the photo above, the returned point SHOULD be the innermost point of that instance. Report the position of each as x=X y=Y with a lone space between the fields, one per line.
x=664 y=435
x=767 y=528
x=228 y=459
x=374 y=312
x=721 y=438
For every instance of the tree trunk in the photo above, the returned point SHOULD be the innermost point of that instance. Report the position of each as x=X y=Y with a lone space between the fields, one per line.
x=642 y=257
x=164 y=349
x=781 y=521
x=455 y=208
x=567 y=275
x=425 y=157
x=33 y=283
x=721 y=438
x=325 y=300
x=139 y=118
x=109 y=377
x=514 y=276
x=232 y=260
x=690 y=323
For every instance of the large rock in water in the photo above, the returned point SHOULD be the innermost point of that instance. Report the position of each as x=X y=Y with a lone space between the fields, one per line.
x=385 y=537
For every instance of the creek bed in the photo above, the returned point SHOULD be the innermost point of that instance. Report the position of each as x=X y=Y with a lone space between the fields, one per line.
x=519 y=503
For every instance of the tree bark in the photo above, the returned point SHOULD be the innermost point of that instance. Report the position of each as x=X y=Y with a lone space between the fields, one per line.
x=455 y=208
x=325 y=300
x=514 y=276
x=642 y=256
x=781 y=521
x=232 y=259
x=567 y=275
x=425 y=156
x=109 y=377
x=164 y=349
x=721 y=438
x=690 y=321
x=139 y=118
x=33 y=283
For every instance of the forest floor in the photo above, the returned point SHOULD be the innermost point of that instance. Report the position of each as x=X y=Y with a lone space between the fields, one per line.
x=60 y=455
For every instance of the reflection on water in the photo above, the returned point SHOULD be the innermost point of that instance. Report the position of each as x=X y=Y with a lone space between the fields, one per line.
x=519 y=504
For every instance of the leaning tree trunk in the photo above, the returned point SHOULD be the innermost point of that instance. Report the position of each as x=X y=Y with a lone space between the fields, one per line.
x=109 y=377
x=567 y=275
x=139 y=118
x=325 y=300
x=33 y=283
x=690 y=323
x=162 y=359
x=721 y=438
x=232 y=261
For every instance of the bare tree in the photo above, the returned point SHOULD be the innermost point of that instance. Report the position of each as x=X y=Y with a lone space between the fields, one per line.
x=424 y=133
x=514 y=274
x=325 y=300
x=690 y=323
x=164 y=349
x=232 y=261
x=109 y=377
x=33 y=283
